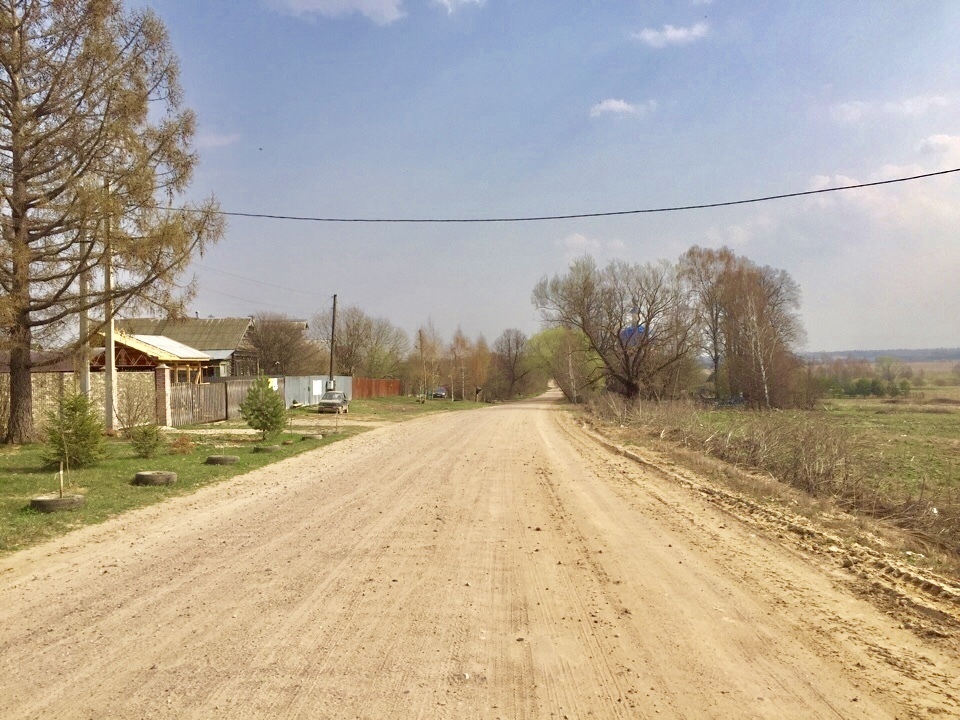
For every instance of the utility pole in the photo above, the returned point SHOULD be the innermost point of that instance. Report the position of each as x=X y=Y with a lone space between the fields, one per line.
x=331 y=383
x=109 y=350
x=84 y=322
x=423 y=369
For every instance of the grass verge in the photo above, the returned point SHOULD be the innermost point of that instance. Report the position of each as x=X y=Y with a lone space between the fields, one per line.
x=108 y=487
x=110 y=492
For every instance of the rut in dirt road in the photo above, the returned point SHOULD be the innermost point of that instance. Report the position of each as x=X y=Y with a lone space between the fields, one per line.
x=482 y=564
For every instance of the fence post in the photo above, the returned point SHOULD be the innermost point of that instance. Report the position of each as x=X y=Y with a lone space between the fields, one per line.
x=161 y=377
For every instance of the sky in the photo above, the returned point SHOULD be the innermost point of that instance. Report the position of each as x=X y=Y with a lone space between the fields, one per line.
x=502 y=108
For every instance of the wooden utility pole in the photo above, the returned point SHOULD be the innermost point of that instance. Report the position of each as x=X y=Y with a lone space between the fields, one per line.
x=332 y=384
x=109 y=350
x=84 y=323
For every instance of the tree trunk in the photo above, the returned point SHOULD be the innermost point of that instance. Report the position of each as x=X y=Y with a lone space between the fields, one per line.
x=20 y=427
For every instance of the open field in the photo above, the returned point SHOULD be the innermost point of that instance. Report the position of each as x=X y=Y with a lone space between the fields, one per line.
x=107 y=486
x=894 y=460
x=916 y=444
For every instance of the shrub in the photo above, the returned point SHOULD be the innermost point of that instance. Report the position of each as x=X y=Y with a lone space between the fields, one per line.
x=263 y=408
x=181 y=445
x=74 y=433
x=147 y=440
x=134 y=409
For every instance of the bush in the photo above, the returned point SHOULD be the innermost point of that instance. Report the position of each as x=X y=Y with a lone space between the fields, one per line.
x=74 y=433
x=263 y=408
x=181 y=445
x=147 y=440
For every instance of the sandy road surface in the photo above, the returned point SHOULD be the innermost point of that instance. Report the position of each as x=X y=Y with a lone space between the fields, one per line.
x=486 y=564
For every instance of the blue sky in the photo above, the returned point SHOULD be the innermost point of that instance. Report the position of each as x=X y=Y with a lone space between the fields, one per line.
x=489 y=108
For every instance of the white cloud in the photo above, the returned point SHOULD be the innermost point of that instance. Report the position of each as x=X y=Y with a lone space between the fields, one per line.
x=452 y=5
x=213 y=140
x=382 y=12
x=849 y=113
x=877 y=265
x=916 y=106
x=740 y=235
x=616 y=106
x=671 y=35
x=854 y=112
x=947 y=146
x=577 y=245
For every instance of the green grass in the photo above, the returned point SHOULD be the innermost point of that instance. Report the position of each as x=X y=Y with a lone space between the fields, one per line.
x=912 y=444
x=108 y=487
x=909 y=444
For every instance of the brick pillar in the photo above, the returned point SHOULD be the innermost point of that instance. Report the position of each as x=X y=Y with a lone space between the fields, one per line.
x=161 y=377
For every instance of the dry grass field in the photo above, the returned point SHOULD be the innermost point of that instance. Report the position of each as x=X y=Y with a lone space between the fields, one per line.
x=897 y=460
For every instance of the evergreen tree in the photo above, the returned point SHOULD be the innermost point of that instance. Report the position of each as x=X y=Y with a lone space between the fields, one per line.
x=74 y=433
x=263 y=408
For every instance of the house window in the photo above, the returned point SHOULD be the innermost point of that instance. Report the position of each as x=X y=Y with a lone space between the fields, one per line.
x=183 y=375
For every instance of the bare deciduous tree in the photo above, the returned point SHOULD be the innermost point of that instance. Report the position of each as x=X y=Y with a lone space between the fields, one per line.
x=94 y=148
x=367 y=346
x=480 y=366
x=635 y=317
x=460 y=349
x=386 y=347
x=510 y=350
x=427 y=357
x=704 y=270
x=761 y=328
x=283 y=346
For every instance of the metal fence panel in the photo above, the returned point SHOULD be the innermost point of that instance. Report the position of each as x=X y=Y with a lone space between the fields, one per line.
x=307 y=389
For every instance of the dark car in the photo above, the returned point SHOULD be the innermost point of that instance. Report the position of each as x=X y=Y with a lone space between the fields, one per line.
x=440 y=393
x=333 y=401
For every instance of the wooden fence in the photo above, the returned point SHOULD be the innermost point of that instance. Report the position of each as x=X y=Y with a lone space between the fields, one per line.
x=374 y=387
x=191 y=404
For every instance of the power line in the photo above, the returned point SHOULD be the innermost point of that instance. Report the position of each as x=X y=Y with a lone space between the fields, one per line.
x=247 y=300
x=577 y=216
x=261 y=282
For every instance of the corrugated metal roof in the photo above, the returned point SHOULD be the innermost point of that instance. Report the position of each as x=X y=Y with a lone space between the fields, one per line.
x=219 y=354
x=162 y=348
x=174 y=349
x=200 y=333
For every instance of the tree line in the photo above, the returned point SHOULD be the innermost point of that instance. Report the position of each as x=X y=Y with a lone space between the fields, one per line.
x=644 y=329
x=712 y=324
x=369 y=346
x=886 y=376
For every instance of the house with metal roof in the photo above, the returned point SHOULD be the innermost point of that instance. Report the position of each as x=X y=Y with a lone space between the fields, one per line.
x=223 y=340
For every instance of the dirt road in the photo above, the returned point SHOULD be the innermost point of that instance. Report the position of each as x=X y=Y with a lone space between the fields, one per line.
x=486 y=564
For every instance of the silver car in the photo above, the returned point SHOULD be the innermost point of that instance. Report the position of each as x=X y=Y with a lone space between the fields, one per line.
x=333 y=401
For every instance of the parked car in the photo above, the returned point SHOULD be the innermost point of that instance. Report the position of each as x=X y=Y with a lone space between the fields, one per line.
x=333 y=401
x=440 y=393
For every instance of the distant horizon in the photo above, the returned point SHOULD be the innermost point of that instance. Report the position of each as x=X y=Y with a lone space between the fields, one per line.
x=952 y=353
